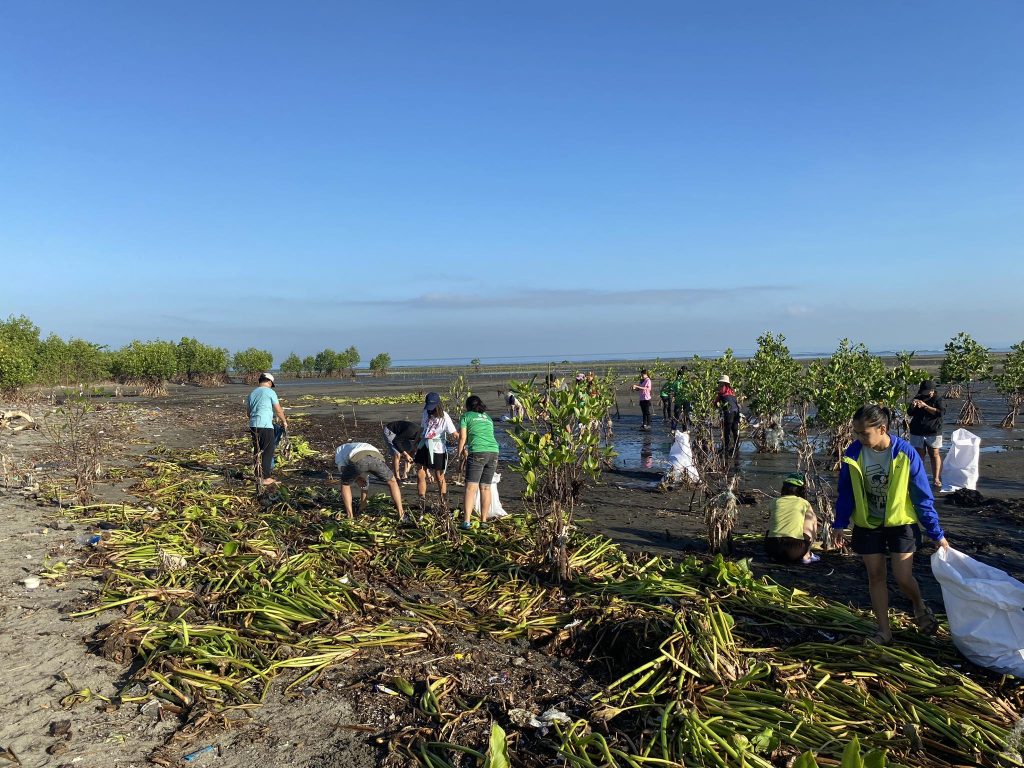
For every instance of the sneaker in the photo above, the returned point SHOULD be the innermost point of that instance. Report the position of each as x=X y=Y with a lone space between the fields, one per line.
x=811 y=558
x=465 y=526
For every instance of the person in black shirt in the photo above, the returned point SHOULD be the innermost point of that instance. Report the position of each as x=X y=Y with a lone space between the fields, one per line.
x=401 y=438
x=926 y=412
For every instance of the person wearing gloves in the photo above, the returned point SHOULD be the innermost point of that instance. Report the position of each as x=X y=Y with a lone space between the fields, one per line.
x=262 y=405
x=792 y=525
x=884 y=491
x=436 y=429
x=355 y=462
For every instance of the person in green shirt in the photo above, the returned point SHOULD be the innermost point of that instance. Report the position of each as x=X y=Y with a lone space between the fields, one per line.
x=480 y=449
x=793 y=525
x=665 y=393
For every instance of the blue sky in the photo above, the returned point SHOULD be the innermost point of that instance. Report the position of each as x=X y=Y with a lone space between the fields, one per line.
x=485 y=180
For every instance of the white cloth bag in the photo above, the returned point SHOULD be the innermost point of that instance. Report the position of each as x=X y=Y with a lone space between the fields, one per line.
x=680 y=457
x=496 y=509
x=960 y=466
x=985 y=608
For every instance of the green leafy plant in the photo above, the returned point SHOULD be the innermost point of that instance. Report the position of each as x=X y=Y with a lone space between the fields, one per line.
x=560 y=449
x=19 y=349
x=201 y=364
x=838 y=386
x=966 y=362
x=292 y=365
x=770 y=384
x=251 y=362
x=380 y=364
x=1010 y=383
x=150 y=364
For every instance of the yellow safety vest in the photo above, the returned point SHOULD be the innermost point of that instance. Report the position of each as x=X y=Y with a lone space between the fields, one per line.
x=899 y=509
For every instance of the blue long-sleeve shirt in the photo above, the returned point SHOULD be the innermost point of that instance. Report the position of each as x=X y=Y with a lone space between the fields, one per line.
x=919 y=489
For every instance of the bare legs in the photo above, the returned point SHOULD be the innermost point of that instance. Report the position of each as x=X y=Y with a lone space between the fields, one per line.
x=469 y=500
x=902 y=571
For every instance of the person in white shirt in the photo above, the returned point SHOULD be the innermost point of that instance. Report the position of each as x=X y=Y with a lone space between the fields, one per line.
x=437 y=430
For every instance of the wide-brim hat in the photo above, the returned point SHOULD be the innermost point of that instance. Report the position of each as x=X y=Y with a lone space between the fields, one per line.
x=724 y=379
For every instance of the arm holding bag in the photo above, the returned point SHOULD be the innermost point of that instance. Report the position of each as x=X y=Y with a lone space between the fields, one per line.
x=985 y=609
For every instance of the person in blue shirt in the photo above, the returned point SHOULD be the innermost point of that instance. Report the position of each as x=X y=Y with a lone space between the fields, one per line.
x=262 y=405
x=884 y=493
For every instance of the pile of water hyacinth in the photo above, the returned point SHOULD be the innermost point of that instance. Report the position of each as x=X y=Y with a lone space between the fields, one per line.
x=217 y=597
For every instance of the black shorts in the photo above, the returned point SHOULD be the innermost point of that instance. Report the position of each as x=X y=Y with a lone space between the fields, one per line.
x=891 y=540
x=480 y=467
x=785 y=549
x=436 y=461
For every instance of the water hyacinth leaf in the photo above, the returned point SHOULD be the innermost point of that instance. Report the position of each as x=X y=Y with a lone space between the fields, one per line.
x=497 y=749
x=851 y=755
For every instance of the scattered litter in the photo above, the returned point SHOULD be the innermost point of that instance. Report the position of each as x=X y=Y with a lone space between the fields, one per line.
x=31 y=582
x=193 y=756
x=385 y=689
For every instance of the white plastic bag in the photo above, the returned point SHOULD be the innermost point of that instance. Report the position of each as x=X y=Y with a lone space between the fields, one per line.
x=680 y=457
x=985 y=608
x=960 y=465
x=496 y=509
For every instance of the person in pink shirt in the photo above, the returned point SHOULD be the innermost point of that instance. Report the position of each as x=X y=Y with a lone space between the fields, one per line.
x=644 y=387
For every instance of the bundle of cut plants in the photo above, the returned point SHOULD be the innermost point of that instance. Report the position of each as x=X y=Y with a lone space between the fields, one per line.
x=689 y=662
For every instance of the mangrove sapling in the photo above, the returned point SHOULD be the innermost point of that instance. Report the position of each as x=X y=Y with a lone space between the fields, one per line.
x=891 y=390
x=770 y=382
x=966 y=361
x=720 y=518
x=1010 y=384
x=559 y=450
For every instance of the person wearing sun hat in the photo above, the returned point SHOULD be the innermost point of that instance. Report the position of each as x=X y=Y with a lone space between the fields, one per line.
x=792 y=524
x=730 y=409
x=262 y=405
x=436 y=430
x=926 y=412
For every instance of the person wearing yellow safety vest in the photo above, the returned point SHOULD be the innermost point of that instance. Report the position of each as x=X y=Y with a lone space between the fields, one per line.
x=792 y=524
x=884 y=490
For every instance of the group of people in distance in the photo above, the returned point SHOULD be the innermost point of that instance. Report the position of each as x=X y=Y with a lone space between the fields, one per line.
x=423 y=446
x=884 y=494
x=885 y=498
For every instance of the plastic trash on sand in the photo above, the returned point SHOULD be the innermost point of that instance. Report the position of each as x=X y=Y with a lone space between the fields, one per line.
x=984 y=608
x=960 y=465
x=496 y=509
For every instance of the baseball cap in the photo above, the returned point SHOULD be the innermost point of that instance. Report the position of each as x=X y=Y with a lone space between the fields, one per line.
x=794 y=478
x=268 y=377
x=433 y=400
x=926 y=386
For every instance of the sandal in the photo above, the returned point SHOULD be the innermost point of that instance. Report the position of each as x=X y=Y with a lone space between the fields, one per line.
x=926 y=622
x=878 y=639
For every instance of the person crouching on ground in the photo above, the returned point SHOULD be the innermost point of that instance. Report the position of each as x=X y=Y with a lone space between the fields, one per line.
x=883 y=488
x=793 y=526
x=926 y=412
x=262 y=405
x=401 y=438
x=355 y=462
x=436 y=428
x=477 y=442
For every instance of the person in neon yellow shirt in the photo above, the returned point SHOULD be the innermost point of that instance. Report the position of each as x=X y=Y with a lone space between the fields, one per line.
x=793 y=525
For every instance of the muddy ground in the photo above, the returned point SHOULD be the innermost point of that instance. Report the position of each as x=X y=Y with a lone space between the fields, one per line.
x=43 y=658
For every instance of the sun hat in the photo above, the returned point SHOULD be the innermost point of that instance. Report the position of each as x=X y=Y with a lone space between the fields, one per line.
x=926 y=386
x=794 y=478
x=268 y=377
x=433 y=400
x=724 y=379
